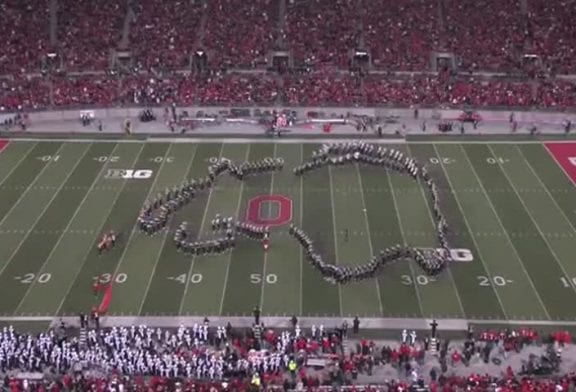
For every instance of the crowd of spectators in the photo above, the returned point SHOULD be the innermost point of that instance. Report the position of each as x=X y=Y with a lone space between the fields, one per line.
x=322 y=32
x=240 y=33
x=485 y=35
x=85 y=42
x=222 y=358
x=553 y=33
x=319 y=89
x=25 y=32
x=313 y=89
x=163 y=34
x=24 y=93
x=401 y=36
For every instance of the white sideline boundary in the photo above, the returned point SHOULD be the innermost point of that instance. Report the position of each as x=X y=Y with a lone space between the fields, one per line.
x=234 y=140
x=370 y=323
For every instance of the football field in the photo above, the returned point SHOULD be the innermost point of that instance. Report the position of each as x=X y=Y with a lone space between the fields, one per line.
x=512 y=206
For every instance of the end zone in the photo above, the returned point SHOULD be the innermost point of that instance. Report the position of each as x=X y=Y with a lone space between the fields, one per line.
x=3 y=144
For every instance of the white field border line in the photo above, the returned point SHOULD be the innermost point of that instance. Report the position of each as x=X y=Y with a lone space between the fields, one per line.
x=65 y=231
x=265 y=262
x=370 y=247
x=558 y=163
x=368 y=323
x=300 y=225
x=188 y=276
x=15 y=166
x=472 y=234
x=227 y=140
x=520 y=261
x=401 y=227
x=30 y=186
x=338 y=261
x=229 y=258
x=560 y=263
x=452 y=280
x=105 y=218
x=546 y=189
x=41 y=214
x=133 y=231
x=165 y=237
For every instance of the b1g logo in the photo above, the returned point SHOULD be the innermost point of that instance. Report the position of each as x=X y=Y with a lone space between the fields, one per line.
x=128 y=174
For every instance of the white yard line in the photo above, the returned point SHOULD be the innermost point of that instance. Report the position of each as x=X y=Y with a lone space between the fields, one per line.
x=472 y=234
x=165 y=237
x=266 y=253
x=64 y=232
x=401 y=227
x=200 y=231
x=113 y=204
x=134 y=231
x=547 y=190
x=370 y=247
x=15 y=166
x=504 y=229
x=452 y=280
x=229 y=261
x=560 y=264
x=30 y=186
x=335 y=237
x=41 y=212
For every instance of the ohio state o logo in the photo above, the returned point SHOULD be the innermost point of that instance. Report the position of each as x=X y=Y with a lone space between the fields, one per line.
x=269 y=210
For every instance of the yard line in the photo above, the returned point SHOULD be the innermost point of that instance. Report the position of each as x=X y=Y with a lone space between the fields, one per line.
x=30 y=186
x=165 y=234
x=544 y=237
x=266 y=253
x=43 y=210
x=401 y=226
x=506 y=234
x=25 y=156
x=369 y=234
x=193 y=261
x=546 y=188
x=64 y=232
x=134 y=229
x=300 y=225
x=433 y=225
x=230 y=255
x=101 y=225
x=335 y=236
x=472 y=236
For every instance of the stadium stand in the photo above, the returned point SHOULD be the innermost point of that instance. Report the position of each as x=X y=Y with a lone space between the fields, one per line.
x=401 y=36
x=486 y=35
x=24 y=28
x=552 y=33
x=240 y=33
x=85 y=42
x=322 y=32
x=164 y=34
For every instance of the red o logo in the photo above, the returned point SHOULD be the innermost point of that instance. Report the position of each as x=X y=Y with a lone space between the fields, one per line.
x=269 y=210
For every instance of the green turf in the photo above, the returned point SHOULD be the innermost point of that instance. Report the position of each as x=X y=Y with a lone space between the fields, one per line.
x=510 y=204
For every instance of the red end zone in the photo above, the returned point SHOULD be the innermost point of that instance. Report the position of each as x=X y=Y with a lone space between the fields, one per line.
x=3 y=144
x=565 y=156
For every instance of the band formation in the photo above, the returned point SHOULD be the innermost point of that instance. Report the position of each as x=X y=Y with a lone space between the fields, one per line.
x=155 y=214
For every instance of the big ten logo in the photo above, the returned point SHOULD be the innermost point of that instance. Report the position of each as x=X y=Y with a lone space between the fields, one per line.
x=460 y=255
x=269 y=210
x=128 y=174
